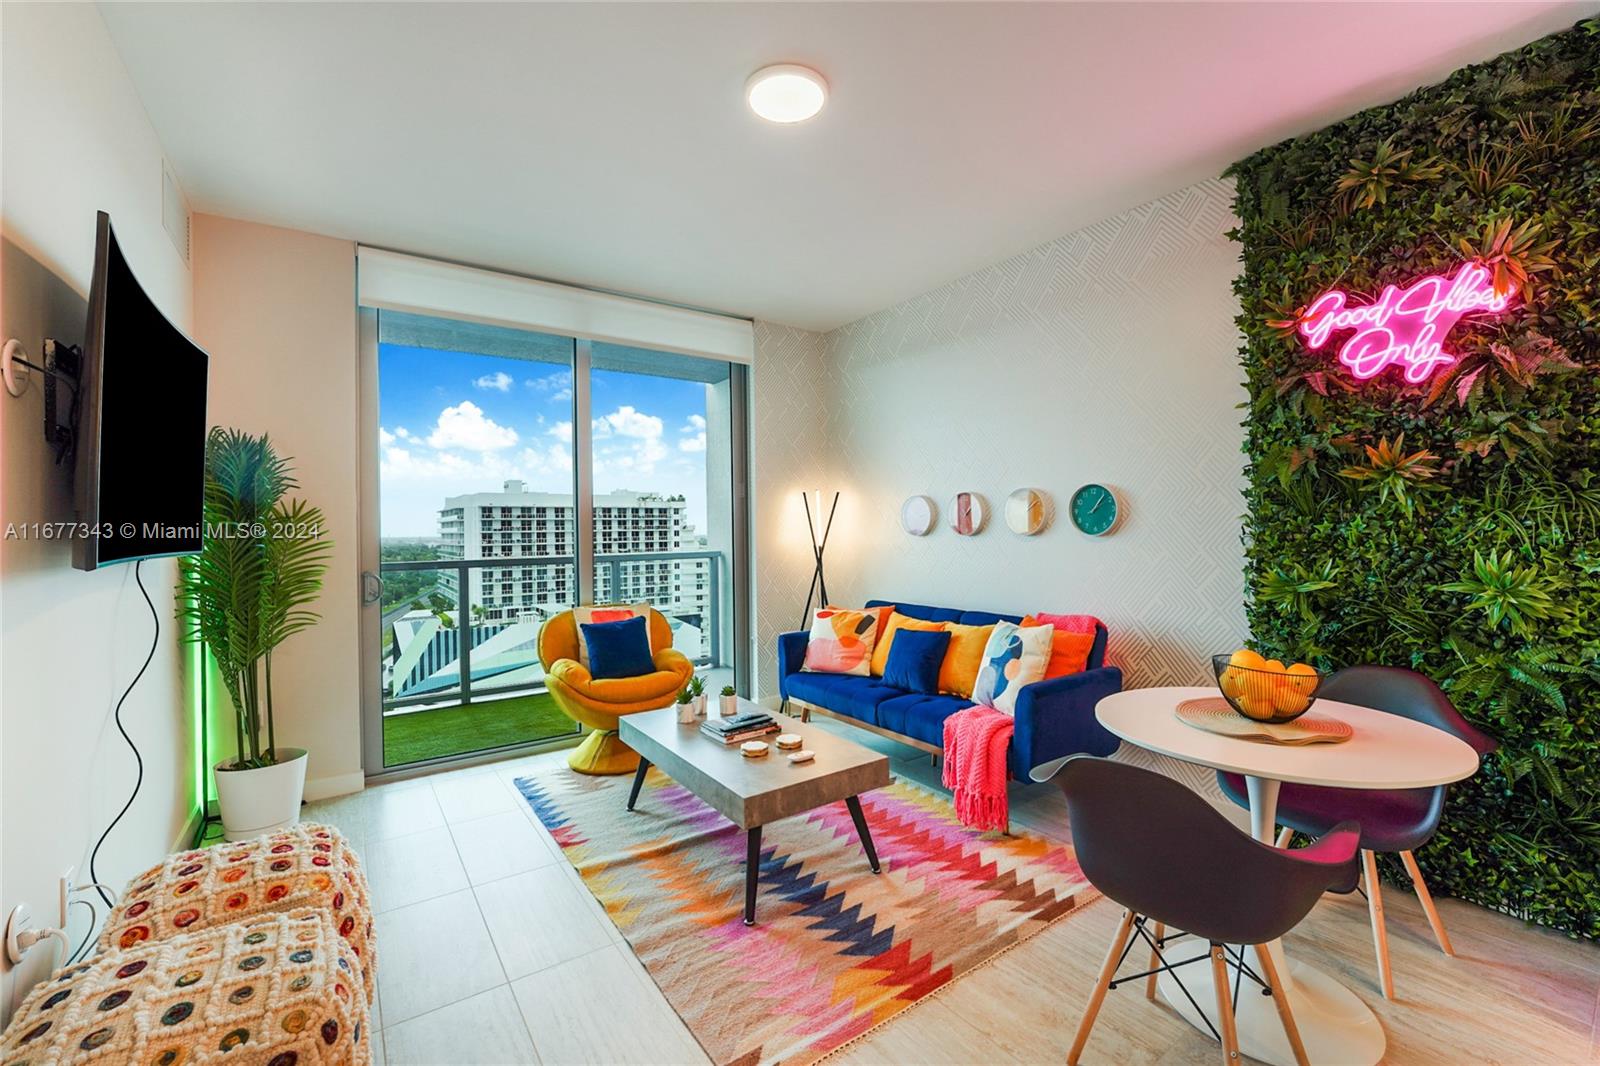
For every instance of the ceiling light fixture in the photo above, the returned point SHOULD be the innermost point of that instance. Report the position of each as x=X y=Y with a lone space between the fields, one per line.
x=786 y=93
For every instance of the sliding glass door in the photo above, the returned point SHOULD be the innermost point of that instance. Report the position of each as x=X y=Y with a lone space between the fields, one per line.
x=661 y=441
x=517 y=474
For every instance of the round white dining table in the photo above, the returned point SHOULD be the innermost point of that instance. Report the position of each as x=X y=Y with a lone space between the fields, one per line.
x=1385 y=751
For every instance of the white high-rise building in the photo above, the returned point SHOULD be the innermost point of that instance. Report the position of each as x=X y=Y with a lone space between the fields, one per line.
x=537 y=531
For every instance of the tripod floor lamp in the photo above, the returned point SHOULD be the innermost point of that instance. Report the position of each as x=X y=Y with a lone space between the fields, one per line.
x=819 y=583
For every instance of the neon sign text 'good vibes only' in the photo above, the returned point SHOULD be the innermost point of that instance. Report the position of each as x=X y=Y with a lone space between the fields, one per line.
x=1403 y=327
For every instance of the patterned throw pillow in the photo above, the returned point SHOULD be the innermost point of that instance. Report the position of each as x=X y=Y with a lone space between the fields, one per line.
x=280 y=988
x=1014 y=657
x=305 y=865
x=841 y=642
x=608 y=612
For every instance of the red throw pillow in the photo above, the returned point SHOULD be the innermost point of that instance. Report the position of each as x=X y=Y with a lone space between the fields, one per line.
x=1069 y=652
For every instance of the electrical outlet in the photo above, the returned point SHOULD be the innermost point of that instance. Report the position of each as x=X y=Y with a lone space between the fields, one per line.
x=65 y=896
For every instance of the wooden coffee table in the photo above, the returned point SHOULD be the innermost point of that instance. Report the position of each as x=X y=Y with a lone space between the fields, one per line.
x=753 y=792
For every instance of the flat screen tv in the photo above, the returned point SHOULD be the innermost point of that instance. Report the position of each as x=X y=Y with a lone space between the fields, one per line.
x=139 y=481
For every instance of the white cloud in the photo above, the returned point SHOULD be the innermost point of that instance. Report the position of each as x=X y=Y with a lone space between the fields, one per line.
x=385 y=438
x=401 y=464
x=638 y=456
x=466 y=426
x=627 y=422
x=557 y=386
x=402 y=432
x=499 y=381
x=694 y=431
x=465 y=473
x=561 y=431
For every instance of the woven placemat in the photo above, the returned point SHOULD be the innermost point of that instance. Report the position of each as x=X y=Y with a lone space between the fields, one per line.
x=1212 y=714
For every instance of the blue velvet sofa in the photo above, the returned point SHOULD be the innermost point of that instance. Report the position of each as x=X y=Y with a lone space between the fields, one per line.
x=1054 y=718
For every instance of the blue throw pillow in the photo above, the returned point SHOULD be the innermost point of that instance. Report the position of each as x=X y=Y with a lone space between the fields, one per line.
x=914 y=660
x=619 y=649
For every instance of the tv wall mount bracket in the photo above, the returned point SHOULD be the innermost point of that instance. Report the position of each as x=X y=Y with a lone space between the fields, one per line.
x=62 y=363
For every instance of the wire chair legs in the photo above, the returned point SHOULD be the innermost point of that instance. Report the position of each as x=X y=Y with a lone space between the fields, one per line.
x=1132 y=928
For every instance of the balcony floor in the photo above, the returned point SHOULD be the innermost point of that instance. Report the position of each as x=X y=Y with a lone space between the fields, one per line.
x=438 y=732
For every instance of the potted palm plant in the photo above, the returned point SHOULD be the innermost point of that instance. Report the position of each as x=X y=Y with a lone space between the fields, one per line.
x=246 y=592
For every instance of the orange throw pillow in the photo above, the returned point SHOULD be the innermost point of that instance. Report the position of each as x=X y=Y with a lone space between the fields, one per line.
x=880 y=650
x=1069 y=652
x=959 y=672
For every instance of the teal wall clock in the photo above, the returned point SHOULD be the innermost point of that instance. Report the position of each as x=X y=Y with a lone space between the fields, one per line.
x=1095 y=510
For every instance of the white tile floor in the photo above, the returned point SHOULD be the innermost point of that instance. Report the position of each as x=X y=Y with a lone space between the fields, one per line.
x=491 y=950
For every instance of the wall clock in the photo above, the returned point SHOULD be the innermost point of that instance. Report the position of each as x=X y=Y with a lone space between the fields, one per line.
x=1095 y=510
x=917 y=515
x=1027 y=511
x=968 y=513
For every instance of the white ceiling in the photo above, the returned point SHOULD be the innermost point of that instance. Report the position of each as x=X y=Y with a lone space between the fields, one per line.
x=609 y=145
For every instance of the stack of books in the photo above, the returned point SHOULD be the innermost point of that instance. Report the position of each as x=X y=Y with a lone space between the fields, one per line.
x=740 y=728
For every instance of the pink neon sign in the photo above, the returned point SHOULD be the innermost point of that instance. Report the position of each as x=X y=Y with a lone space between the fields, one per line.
x=1403 y=327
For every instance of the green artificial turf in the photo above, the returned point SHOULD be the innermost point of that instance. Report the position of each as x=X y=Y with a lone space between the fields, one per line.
x=421 y=735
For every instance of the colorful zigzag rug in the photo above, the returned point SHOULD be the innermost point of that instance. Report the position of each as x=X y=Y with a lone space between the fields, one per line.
x=836 y=949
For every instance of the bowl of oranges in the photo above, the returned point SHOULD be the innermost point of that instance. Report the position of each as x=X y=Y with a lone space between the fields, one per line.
x=1265 y=690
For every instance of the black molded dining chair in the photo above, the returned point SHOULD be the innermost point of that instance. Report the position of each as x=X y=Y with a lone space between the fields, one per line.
x=1168 y=856
x=1392 y=820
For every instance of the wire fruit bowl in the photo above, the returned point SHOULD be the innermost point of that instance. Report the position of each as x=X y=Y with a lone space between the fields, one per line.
x=1265 y=694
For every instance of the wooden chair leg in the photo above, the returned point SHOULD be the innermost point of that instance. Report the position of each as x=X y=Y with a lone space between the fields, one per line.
x=1155 y=960
x=1281 y=1001
x=1380 y=935
x=1286 y=837
x=1107 y=972
x=1219 y=977
x=1426 y=899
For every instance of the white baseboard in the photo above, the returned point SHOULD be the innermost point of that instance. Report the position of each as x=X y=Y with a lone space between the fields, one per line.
x=320 y=788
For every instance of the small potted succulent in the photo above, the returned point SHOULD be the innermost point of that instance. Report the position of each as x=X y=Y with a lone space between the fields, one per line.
x=730 y=702
x=685 y=707
x=697 y=694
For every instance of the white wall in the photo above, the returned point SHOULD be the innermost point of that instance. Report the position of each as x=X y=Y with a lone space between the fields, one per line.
x=277 y=310
x=792 y=450
x=74 y=140
x=1107 y=355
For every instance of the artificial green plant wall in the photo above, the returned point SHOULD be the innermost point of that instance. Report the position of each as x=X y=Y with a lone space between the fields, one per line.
x=1451 y=526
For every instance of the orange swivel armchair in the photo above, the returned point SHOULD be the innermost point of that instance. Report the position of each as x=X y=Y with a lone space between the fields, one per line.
x=598 y=703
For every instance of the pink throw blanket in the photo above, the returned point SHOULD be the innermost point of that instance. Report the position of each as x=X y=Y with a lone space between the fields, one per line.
x=975 y=742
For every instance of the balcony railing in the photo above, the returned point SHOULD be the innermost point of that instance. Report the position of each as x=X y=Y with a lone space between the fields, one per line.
x=428 y=654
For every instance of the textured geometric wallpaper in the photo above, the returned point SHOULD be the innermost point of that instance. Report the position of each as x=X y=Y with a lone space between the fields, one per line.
x=1107 y=355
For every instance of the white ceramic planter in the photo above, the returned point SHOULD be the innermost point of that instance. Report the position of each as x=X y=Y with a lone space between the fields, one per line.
x=730 y=706
x=686 y=714
x=257 y=801
x=700 y=705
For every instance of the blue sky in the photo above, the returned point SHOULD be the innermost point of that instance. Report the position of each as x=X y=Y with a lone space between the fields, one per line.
x=454 y=422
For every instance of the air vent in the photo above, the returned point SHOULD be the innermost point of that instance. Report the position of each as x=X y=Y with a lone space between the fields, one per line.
x=174 y=211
